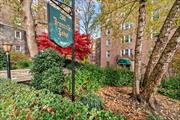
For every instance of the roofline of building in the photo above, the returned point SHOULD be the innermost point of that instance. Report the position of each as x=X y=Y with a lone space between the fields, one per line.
x=20 y=28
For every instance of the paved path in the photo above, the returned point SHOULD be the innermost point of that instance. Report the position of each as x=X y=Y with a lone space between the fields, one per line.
x=20 y=75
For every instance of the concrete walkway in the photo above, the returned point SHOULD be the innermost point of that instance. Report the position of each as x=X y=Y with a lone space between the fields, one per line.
x=20 y=75
x=23 y=75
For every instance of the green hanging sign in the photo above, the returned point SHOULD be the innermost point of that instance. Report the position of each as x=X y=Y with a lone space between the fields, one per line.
x=60 y=27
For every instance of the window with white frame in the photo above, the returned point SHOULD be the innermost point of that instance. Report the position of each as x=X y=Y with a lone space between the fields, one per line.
x=108 y=54
x=127 y=52
x=127 y=39
x=126 y=26
x=17 y=34
x=123 y=14
x=154 y=35
x=154 y=1
x=108 y=31
x=107 y=42
x=156 y=14
x=18 y=48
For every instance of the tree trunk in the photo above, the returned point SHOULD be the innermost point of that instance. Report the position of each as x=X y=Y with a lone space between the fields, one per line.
x=162 y=39
x=161 y=67
x=138 y=47
x=30 y=27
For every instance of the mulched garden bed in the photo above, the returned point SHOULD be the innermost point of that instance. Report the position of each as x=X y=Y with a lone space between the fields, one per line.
x=118 y=100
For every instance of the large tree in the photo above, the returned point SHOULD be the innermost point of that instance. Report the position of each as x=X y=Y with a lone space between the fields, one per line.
x=87 y=12
x=169 y=24
x=82 y=45
x=21 y=15
x=165 y=46
x=138 y=47
x=30 y=27
x=161 y=67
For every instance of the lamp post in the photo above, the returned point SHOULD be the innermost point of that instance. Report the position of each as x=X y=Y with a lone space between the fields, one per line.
x=7 y=46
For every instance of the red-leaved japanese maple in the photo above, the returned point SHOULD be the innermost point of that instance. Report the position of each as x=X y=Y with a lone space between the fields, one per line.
x=82 y=45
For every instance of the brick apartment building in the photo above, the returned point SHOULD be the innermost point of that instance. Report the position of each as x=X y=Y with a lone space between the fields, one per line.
x=17 y=36
x=119 y=51
x=95 y=56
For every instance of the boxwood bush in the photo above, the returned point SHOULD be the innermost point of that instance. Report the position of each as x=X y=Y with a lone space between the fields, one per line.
x=47 y=71
x=92 y=101
x=153 y=117
x=171 y=87
x=53 y=80
x=21 y=102
x=117 y=77
x=88 y=79
x=20 y=60
x=2 y=59
x=23 y=64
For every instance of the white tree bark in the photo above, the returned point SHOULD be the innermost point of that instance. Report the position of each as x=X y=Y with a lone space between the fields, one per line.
x=162 y=39
x=161 y=67
x=138 y=47
x=30 y=27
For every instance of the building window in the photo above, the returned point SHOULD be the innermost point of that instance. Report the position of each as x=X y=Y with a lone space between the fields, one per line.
x=154 y=1
x=107 y=54
x=126 y=26
x=131 y=51
x=154 y=35
x=108 y=31
x=107 y=42
x=127 y=52
x=127 y=39
x=17 y=34
x=156 y=14
x=123 y=14
x=18 y=48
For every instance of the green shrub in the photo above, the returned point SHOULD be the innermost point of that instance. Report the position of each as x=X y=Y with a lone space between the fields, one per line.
x=17 y=59
x=45 y=60
x=153 y=117
x=42 y=70
x=171 y=87
x=2 y=59
x=68 y=65
x=21 y=102
x=117 y=77
x=88 y=79
x=92 y=101
x=53 y=80
x=24 y=64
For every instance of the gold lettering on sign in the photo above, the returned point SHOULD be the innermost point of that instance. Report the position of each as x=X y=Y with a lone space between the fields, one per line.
x=62 y=17
x=62 y=28
x=55 y=20
x=63 y=34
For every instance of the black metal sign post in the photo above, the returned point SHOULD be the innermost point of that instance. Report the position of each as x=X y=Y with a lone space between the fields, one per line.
x=73 y=49
x=72 y=15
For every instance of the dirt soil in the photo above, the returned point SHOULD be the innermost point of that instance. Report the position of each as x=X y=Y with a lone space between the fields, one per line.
x=118 y=100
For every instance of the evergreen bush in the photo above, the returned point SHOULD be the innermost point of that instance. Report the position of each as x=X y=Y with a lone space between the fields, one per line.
x=47 y=71
x=92 y=101
x=23 y=64
x=21 y=102
x=117 y=77
x=19 y=60
x=53 y=80
x=171 y=87
x=2 y=59
x=88 y=79
x=153 y=117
